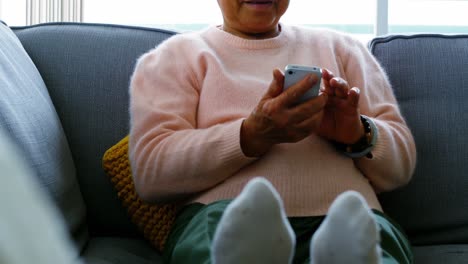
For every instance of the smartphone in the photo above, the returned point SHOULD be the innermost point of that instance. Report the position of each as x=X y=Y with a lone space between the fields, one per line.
x=295 y=73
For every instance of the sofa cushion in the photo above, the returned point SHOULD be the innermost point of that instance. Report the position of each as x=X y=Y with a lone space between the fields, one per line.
x=429 y=74
x=28 y=116
x=114 y=250
x=87 y=69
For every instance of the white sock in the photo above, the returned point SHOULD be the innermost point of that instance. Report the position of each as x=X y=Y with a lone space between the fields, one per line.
x=254 y=228
x=349 y=233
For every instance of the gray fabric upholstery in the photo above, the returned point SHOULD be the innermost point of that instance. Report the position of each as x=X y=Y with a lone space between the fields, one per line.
x=28 y=116
x=429 y=74
x=87 y=68
x=109 y=250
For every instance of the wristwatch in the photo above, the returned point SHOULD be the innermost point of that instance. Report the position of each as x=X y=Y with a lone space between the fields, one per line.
x=364 y=146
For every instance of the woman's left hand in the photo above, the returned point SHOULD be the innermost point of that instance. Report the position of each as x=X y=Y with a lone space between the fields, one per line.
x=341 y=119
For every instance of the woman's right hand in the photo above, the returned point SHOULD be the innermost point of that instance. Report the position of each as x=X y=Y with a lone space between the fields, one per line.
x=278 y=119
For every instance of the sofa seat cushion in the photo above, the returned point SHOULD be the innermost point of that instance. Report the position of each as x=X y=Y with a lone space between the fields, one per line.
x=29 y=117
x=447 y=254
x=114 y=250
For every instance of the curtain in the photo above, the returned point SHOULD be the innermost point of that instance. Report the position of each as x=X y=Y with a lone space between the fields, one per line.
x=43 y=11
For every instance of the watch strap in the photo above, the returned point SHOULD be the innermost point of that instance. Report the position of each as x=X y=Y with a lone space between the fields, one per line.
x=364 y=146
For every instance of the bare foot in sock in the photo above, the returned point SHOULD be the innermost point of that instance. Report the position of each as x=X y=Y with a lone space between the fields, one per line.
x=349 y=233
x=254 y=228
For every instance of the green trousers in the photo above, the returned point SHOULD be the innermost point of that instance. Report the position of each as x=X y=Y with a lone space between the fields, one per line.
x=191 y=237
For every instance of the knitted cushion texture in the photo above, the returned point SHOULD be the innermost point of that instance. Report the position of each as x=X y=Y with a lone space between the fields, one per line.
x=154 y=220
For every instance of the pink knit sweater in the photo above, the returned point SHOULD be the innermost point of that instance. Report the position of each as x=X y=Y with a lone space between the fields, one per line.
x=190 y=95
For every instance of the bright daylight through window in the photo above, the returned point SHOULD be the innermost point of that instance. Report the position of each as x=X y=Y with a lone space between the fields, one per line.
x=356 y=17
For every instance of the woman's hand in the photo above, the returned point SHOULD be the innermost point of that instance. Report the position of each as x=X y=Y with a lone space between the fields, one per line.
x=341 y=119
x=278 y=119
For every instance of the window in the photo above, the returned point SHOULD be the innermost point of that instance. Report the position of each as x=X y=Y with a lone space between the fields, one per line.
x=13 y=12
x=175 y=14
x=355 y=17
x=27 y=12
x=443 y=16
x=334 y=14
x=180 y=15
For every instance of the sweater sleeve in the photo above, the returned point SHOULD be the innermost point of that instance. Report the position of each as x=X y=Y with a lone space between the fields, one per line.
x=170 y=157
x=394 y=155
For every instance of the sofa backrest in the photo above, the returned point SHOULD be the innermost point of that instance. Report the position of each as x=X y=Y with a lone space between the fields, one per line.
x=429 y=74
x=87 y=69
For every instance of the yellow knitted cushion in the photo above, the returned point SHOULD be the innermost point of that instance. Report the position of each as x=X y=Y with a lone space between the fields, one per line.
x=154 y=220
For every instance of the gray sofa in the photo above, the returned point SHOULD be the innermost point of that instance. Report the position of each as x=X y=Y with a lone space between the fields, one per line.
x=81 y=90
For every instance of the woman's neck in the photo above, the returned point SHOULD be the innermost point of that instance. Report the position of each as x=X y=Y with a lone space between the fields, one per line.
x=248 y=35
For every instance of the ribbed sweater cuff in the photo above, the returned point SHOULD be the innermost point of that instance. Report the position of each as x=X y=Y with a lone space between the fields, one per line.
x=230 y=149
x=382 y=143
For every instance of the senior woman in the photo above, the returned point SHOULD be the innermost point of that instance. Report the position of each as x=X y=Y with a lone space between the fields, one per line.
x=209 y=115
